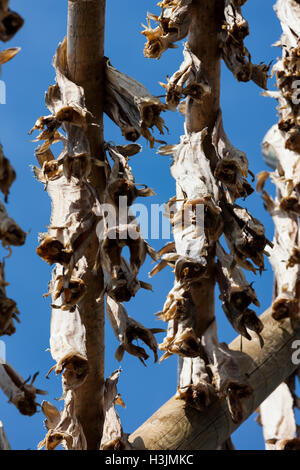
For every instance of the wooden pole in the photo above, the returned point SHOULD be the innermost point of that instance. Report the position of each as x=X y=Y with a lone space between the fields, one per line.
x=85 y=40
x=204 y=42
x=176 y=426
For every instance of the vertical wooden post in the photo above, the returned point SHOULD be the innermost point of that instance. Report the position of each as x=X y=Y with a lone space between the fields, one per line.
x=86 y=22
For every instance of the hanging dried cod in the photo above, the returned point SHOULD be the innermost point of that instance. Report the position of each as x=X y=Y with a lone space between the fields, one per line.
x=130 y=105
x=192 y=332
x=8 y=308
x=4 y=444
x=118 y=227
x=127 y=329
x=210 y=175
x=113 y=437
x=120 y=278
x=7 y=174
x=276 y=416
x=8 y=54
x=63 y=427
x=232 y=166
x=75 y=214
x=281 y=148
x=237 y=295
x=20 y=392
x=78 y=217
x=173 y=25
x=235 y=55
x=67 y=338
x=10 y=232
x=186 y=82
x=10 y=21
x=66 y=102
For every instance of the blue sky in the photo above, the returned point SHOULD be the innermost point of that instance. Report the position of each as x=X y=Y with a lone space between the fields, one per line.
x=247 y=117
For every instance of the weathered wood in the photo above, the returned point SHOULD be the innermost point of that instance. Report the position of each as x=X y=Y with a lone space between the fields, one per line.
x=85 y=42
x=4 y=444
x=113 y=437
x=211 y=172
x=178 y=426
x=20 y=392
x=204 y=42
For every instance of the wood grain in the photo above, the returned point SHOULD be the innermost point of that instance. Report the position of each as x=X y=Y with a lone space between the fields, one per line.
x=86 y=20
x=176 y=426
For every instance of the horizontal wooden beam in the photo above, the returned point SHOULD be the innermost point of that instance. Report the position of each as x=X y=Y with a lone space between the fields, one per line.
x=176 y=426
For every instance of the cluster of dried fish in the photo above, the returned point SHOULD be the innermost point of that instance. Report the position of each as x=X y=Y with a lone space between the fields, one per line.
x=130 y=105
x=63 y=427
x=185 y=82
x=281 y=149
x=7 y=174
x=20 y=392
x=120 y=278
x=75 y=214
x=113 y=437
x=10 y=21
x=10 y=232
x=234 y=53
x=8 y=308
x=78 y=217
x=4 y=444
x=281 y=143
x=172 y=25
x=203 y=210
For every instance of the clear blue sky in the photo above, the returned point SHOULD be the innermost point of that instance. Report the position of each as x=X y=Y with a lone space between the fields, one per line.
x=247 y=117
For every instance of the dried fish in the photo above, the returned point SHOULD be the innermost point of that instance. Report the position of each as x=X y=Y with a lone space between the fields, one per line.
x=75 y=213
x=118 y=237
x=185 y=82
x=10 y=232
x=7 y=174
x=113 y=437
x=131 y=106
x=245 y=236
x=22 y=393
x=67 y=340
x=235 y=54
x=127 y=330
x=226 y=375
x=276 y=415
x=194 y=385
x=173 y=25
x=10 y=21
x=8 y=308
x=8 y=54
x=63 y=427
x=237 y=295
x=4 y=444
x=281 y=142
x=121 y=181
x=66 y=102
x=232 y=166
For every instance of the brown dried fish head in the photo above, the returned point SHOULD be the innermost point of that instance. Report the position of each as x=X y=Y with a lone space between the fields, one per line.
x=189 y=269
x=53 y=251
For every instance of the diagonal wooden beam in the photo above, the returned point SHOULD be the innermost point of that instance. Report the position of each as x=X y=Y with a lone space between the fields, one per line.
x=176 y=426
